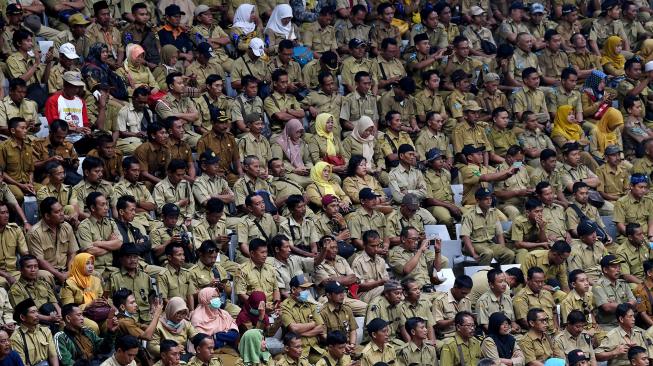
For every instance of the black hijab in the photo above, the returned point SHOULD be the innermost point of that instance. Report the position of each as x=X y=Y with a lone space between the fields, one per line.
x=505 y=343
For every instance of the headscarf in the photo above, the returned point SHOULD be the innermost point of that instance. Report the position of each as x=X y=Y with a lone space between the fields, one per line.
x=361 y=125
x=646 y=51
x=505 y=343
x=609 y=53
x=562 y=127
x=133 y=51
x=175 y=305
x=280 y=12
x=292 y=150
x=167 y=52
x=250 y=348
x=94 y=55
x=316 y=176
x=208 y=320
x=246 y=316
x=605 y=129
x=592 y=82
x=242 y=18
x=77 y=269
x=320 y=129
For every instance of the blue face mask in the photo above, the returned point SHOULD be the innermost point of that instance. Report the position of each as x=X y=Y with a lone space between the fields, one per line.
x=215 y=303
x=303 y=296
x=172 y=324
x=254 y=312
x=650 y=245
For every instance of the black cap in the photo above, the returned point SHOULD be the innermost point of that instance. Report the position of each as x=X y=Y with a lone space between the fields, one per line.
x=205 y=49
x=334 y=287
x=356 y=42
x=568 y=9
x=219 y=116
x=21 y=308
x=14 y=9
x=209 y=157
x=609 y=260
x=376 y=325
x=576 y=356
x=172 y=10
x=517 y=5
x=482 y=193
x=570 y=146
x=585 y=227
x=129 y=249
x=170 y=209
x=404 y=148
x=367 y=194
x=330 y=59
x=300 y=281
x=471 y=149
x=420 y=37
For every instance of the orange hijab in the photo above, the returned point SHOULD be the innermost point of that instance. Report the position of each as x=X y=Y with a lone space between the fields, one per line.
x=77 y=272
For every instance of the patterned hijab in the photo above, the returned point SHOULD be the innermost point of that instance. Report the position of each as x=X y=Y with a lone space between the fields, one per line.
x=591 y=85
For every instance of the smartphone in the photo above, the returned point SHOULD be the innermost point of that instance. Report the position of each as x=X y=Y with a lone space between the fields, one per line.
x=517 y=164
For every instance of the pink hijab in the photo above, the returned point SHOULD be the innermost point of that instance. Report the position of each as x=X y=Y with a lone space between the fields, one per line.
x=208 y=320
x=292 y=150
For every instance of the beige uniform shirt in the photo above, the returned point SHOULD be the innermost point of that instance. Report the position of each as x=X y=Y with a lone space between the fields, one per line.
x=50 y=245
x=91 y=230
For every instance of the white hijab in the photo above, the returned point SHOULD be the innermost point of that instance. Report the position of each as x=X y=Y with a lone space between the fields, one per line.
x=281 y=11
x=242 y=18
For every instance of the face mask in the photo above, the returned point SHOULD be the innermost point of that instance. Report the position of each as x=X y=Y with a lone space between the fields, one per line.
x=303 y=296
x=215 y=303
x=172 y=324
x=131 y=315
x=254 y=312
x=650 y=245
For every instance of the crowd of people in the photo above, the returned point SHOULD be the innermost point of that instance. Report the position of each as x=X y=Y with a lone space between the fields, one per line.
x=229 y=183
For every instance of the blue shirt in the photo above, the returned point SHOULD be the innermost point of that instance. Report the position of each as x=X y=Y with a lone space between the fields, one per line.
x=12 y=359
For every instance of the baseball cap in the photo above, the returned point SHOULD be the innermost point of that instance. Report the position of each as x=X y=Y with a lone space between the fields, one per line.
x=33 y=23
x=172 y=10
x=219 y=116
x=73 y=77
x=638 y=178
x=14 y=9
x=77 y=19
x=612 y=149
x=328 y=199
x=585 y=227
x=537 y=8
x=517 y=5
x=201 y=9
x=490 y=76
x=648 y=66
x=68 y=50
x=433 y=154
x=609 y=260
x=300 y=281
x=205 y=49
x=476 y=10
x=170 y=209
x=411 y=201
x=367 y=194
x=472 y=105
x=334 y=287
x=576 y=356
x=257 y=46
x=570 y=146
x=568 y=8
x=356 y=42
x=209 y=157
x=471 y=149
x=482 y=193
x=376 y=325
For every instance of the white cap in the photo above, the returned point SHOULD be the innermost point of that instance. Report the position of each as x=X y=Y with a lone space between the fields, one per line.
x=649 y=66
x=257 y=46
x=476 y=10
x=201 y=9
x=68 y=50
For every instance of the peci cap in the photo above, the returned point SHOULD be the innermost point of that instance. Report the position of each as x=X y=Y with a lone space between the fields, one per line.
x=14 y=9
x=73 y=77
x=420 y=37
x=170 y=209
x=576 y=356
x=219 y=116
x=22 y=307
x=129 y=249
x=78 y=19
x=482 y=193
x=585 y=227
x=172 y=10
x=334 y=287
x=517 y=5
x=329 y=199
x=609 y=260
x=367 y=194
x=411 y=201
x=433 y=154
x=570 y=146
x=376 y=325
x=300 y=281
x=490 y=76
x=476 y=10
x=330 y=59
x=257 y=46
x=209 y=157
x=648 y=66
x=356 y=42
x=537 y=8
x=68 y=50
x=471 y=149
x=201 y=9
x=568 y=9
x=612 y=149
x=205 y=49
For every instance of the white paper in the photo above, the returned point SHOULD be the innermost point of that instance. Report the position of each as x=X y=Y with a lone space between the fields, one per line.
x=446 y=275
x=45 y=46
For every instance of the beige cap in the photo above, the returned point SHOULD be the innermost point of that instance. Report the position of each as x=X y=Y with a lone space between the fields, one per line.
x=472 y=106
x=490 y=77
x=73 y=77
x=476 y=10
x=201 y=9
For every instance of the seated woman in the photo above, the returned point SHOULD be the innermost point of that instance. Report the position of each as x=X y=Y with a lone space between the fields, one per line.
x=595 y=98
x=500 y=345
x=253 y=349
x=128 y=324
x=245 y=27
x=567 y=129
x=289 y=146
x=362 y=141
x=646 y=51
x=611 y=58
x=606 y=133
x=169 y=58
x=324 y=184
x=208 y=317
x=324 y=145
x=254 y=316
x=82 y=288
x=173 y=325
x=358 y=178
x=134 y=72
x=96 y=71
x=280 y=27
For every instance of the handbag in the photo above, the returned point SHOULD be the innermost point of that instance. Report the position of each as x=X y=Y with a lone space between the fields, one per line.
x=302 y=55
x=600 y=233
x=335 y=160
x=97 y=311
x=487 y=47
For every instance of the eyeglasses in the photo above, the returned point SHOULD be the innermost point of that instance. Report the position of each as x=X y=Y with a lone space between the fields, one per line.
x=472 y=325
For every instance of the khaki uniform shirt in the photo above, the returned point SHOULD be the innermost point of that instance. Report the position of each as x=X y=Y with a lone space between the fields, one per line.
x=411 y=354
x=437 y=36
x=355 y=105
x=396 y=221
x=292 y=68
x=439 y=185
x=455 y=102
x=379 y=307
x=17 y=162
x=246 y=186
x=351 y=66
x=201 y=276
x=26 y=109
x=248 y=230
x=51 y=246
x=481 y=227
x=587 y=258
x=613 y=181
x=406 y=107
x=369 y=269
x=523 y=229
x=162 y=234
x=554 y=216
x=293 y=266
x=584 y=61
x=501 y=141
x=509 y=26
x=205 y=186
x=84 y=188
x=535 y=139
x=18 y=65
x=559 y=96
x=535 y=347
x=373 y=354
x=390 y=141
x=329 y=269
x=386 y=69
x=110 y=37
x=300 y=234
x=590 y=211
x=428 y=101
x=12 y=244
x=181 y=151
x=619 y=336
x=139 y=191
x=445 y=306
x=540 y=258
x=529 y=100
x=553 y=63
x=470 y=175
x=489 y=102
x=202 y=72
x=456 y=346
x=422 y=309
x=360 y=221
x=574 y=301
x=242 y=104
x=324 y=103
x=153 y=159
x=276 y=103
x=38 y=344
x=398 y=257
x=520 y=61
x=632 y=259
x=91 y=230
x=320 y=39
x=563 y=343
x=112 y=167
x=294 y=312
x=570 y=175
x=605 y=291
x=641 y=292
x=244 y=65
x=140 y=284
x=41 y=291
x=466 y=134
x=223 y=102
x=382 y=30
x=349 y=31
x=489 y=304
x=601 y=30
x=253 y=278
x=403 y=181
x=628 y=209
x=173 y=283
x=165 y=192
x=526 y=299
x=224 y=146
x=338 y=319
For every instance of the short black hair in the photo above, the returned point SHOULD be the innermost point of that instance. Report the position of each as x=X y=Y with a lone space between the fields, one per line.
x=532 y=271
x=629 y=101
x=576 y=317
x=248 y=199
x=517 y=274
x=91 y=199
x=207 y=246
x=127 y=342
x=335 y=338
x=387 y=42
x=58 y=124
x=136 y=7
x=120 y=296
x=176 y=164
x=412 y=323
x=369 y=235
x=256 y=243
x=567 y=72
x=631 y=227
x=532 y=203
x=622 y=310
x=16 y=82
x=24 y=259
x=45 y=208
x=122 y=201
x=492 y=274
x=294 y=200
x=276 y=74
x=213 y=78
x=361 y=74
x=14 y=121
x=527 y=72
x=549 y=34
x=166 y=345
x=128 y=161
x=20 y=35
x=170 y=248
x=531 y=316
x=286 y=44
x=634 y=351
x=141 y=91
x=248 y=79
x=90 y=163
x=573 y=275
x=290 y=336
x=214 y=205
x=459 y=319
x=153 y=128
x=170 y=79
x=627 y=66
x=68 y=309
x=463 y=281
x=578 y=186
x=561 y=247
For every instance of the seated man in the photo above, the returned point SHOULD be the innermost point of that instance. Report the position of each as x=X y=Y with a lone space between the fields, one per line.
x=337 y=345
x=32 y=341
x=553 y=262
x=370 y=267
x=586 y=252
x=609 y=292
x=214 y=227
x=257 y=224
x=17 y=160
x=379 y=350
x=409 y=214
x=75 y=333
x=337 y=315
x=175 y=281
x=534 y=296
x=210 y=272
x=387 y=307
x=31 y=286
x=614 y=347
x=210 y=185
x=172 y=231
x=406 y=178
x=287 y=265
x=536 y=345
x=416 y=305
x=418 y=350
x=93 y=170
x=250 y=182
x=111 y=159
x=496 y=299
x=579 y=298
x=462 y=348
x=413 y=258
x=130 y=185
x=55 y=188
x=132 y=277
x=447 y=305
x=528 y=232
x=257 y=274
x=13 y=239
x=574 y=337
x=175 y=189
x=581 y=209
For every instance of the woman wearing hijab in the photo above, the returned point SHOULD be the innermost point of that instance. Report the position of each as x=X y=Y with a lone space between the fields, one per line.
x=611 y=58
x=96 y=71
x=324 y=184
x=253 y=315
x=500 y=344
x=173 y=325
x=324 y=145
x=134 y=72
x=208 y=317
x=594 y=96
x=253 y=349
x=81 y=287
x=169 y=58
x=606 y=133
x=646 y=51
x=290 y=147
x=245 y=26
x=362 y=142
x=567 y=129
x=280 y=27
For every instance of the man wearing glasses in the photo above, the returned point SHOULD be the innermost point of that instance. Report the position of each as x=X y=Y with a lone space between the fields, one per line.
x=536 y=344
x=534 y=296
x=463 y=348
